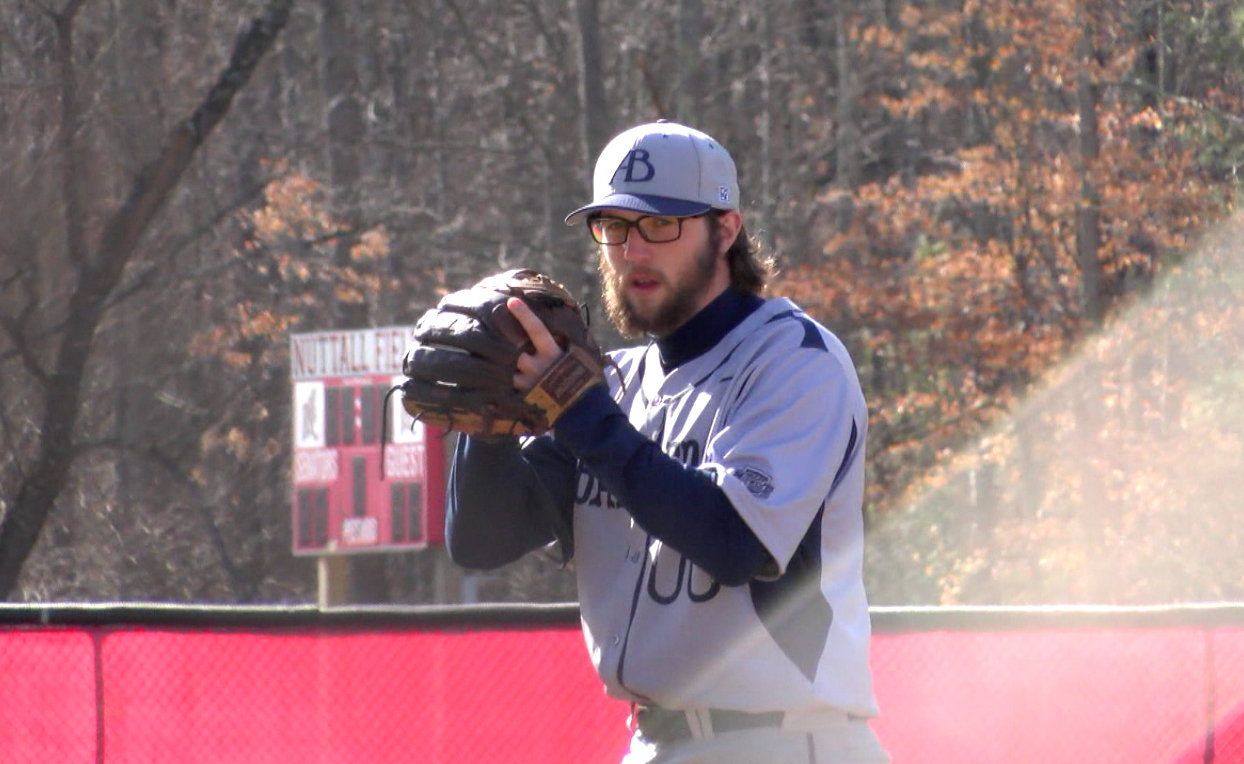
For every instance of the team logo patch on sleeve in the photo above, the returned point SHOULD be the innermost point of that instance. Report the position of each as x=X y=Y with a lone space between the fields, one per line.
x=758 y=483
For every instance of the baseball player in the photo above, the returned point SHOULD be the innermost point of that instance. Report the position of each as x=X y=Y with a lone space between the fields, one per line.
x=709 y=491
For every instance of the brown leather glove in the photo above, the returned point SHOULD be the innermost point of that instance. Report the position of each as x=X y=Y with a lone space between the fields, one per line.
x=461 y=366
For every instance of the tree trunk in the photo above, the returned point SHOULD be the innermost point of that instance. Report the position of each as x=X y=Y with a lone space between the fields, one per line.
x=594 y=122
x=345 y=137
x=690 y=32
x=765 y=197
x=99 y=273
x=1087 y=213
x=594 y=113
x=847 y=149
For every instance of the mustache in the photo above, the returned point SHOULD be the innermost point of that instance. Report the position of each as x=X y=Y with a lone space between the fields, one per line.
x=633 y=273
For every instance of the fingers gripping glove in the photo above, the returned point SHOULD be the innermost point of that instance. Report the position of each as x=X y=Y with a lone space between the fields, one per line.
x=460 y=369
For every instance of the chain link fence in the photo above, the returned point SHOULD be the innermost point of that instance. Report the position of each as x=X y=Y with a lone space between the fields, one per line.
x=116 y=684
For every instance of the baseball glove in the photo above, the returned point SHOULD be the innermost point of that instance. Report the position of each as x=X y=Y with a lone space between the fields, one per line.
x=460 y=368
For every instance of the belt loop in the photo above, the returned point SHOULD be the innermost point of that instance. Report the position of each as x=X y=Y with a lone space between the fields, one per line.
x=700 y=723
x=693 y=724
x=706 y=722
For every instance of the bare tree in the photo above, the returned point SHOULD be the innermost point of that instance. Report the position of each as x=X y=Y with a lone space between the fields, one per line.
x=99 y=270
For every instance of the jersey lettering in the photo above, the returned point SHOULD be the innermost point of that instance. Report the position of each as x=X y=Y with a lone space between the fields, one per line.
x=707 y=594
x=591 y=493
x=688 y=453
x=686 y=571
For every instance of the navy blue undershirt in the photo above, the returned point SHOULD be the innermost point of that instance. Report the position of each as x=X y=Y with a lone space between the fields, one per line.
x=676 y=503
x=706 y=328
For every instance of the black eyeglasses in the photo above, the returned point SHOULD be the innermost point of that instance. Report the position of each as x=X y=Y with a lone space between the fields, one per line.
x=654 y=229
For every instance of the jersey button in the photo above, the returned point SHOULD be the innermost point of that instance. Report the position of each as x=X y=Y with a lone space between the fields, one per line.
x=615 y=640
x=634 y=556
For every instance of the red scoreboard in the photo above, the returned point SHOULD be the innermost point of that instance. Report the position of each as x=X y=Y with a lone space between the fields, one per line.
x=366 y=477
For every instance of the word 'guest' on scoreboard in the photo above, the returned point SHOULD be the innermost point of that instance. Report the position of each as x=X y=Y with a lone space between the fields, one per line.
x=343 y=501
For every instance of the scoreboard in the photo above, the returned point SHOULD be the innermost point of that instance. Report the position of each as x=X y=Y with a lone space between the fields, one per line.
x=366 y=476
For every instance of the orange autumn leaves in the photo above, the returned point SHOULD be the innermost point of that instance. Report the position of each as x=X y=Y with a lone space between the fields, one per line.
x=960 y=292
x=289 y=256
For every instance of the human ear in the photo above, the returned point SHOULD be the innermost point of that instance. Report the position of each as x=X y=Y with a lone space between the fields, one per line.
x=729 y=224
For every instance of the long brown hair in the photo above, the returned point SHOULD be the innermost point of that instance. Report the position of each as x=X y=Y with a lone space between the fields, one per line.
x=750 y=268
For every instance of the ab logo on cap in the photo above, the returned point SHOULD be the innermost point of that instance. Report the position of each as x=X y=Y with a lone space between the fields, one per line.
x=635 y=157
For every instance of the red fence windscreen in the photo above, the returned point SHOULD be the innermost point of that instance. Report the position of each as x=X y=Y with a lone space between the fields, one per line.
x=122 y=685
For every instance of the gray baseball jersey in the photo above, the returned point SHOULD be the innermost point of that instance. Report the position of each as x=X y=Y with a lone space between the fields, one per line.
x=775 y=414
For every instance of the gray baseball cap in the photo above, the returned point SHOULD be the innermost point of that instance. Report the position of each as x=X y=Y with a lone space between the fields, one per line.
x=662 y=168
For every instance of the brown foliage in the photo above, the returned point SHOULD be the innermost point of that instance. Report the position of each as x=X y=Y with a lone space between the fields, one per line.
x=960 y=292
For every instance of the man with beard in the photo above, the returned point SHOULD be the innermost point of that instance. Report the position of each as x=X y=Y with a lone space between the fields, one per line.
x=709 y=492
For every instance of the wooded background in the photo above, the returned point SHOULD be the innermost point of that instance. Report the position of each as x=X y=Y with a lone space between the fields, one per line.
x=1018 y=216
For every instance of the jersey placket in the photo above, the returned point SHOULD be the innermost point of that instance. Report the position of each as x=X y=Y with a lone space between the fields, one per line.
x=652 y=425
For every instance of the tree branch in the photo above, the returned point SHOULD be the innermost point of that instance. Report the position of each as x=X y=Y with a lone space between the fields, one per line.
x=98 y=277
x=466 y=27
x=139 y=281
x=1138 y=84
x=237 y=578
x=73 y=179
x=21 y=348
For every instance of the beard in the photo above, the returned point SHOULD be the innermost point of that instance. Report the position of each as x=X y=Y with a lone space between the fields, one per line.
x=682 y=303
